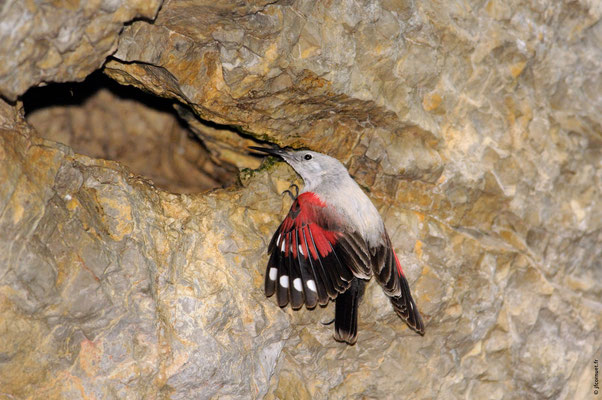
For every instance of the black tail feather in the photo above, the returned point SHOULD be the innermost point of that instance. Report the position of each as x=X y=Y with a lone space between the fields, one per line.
x=347 y=304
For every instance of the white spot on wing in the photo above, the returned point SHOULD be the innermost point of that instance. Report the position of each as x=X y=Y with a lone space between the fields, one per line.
x=311 y=285
x=283 y=246
x=273 y=274
x=284 y=281
x=279 y=237
x=301 y=250
x=297 y=284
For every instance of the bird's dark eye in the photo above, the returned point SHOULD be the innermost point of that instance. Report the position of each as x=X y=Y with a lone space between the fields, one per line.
x=308 y=157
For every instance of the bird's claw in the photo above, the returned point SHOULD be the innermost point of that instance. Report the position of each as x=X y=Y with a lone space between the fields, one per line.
x=327 y=323
x=293 y=196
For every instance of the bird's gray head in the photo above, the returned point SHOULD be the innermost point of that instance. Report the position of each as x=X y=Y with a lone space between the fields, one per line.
x=315 y=168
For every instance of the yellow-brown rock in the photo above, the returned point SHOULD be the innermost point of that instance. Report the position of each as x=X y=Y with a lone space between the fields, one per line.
x=60 y=41
x=103 y=276
x=474 y=127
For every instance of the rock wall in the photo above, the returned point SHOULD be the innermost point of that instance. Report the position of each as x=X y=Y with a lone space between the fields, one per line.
x=474 y=126
x=61 y=41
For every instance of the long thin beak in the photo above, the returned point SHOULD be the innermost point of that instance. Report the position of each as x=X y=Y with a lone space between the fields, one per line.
x=273 y=151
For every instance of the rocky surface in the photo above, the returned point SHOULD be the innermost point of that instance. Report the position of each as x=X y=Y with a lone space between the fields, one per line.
x=60 y=41
x=114 y=289
x=473 y=126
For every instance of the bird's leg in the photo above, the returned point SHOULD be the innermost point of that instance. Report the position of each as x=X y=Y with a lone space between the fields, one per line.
x=293 y=196
x=290 y=194
x=296 y=190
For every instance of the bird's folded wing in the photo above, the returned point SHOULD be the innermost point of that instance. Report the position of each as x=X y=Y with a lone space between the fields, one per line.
x=390 y=276
x=312 y=257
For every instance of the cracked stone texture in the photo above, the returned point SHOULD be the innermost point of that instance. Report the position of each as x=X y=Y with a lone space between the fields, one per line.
x=111 y=288
x=475 y=127
x=60 y=41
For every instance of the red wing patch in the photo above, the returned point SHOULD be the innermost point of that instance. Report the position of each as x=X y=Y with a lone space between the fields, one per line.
x=304 y=221
x=398 y=265
x=304 y=218
x=304 y=265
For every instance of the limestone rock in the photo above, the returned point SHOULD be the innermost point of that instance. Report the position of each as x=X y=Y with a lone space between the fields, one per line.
x=475 y=129
x=113 y=289
x=60 y=41
x=244 y=75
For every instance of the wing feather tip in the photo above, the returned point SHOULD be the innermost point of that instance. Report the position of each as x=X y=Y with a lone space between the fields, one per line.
x=269 y=290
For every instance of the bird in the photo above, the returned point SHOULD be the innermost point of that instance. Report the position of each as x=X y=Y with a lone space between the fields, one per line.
x=332 y=241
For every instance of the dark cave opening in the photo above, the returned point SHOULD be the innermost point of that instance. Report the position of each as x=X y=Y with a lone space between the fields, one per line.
x=100 y=118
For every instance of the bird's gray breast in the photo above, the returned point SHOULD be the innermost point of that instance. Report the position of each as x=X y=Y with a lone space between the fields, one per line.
x=354 y=209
